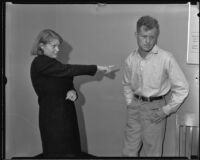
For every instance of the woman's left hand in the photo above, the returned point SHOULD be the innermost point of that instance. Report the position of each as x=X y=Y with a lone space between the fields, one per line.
x=71 y=95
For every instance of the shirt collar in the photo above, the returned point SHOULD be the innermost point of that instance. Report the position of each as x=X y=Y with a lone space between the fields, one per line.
x=153 y=51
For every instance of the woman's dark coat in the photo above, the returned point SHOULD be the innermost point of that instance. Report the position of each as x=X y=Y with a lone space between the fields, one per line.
x=57 y=116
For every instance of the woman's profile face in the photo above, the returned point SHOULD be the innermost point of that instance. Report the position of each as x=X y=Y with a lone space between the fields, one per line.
x=51 y=49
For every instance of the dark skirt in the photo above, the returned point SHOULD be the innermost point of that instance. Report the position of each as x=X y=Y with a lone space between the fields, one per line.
x=58 y=127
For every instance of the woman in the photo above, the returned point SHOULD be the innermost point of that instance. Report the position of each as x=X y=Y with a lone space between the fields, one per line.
x=52 y=81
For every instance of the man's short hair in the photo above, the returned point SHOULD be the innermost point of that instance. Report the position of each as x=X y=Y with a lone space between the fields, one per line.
x=149 y=22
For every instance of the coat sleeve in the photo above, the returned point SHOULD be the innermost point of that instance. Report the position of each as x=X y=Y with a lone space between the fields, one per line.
x=52 y=67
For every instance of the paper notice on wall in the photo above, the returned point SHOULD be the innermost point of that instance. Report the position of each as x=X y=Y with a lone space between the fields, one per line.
x=193 y=35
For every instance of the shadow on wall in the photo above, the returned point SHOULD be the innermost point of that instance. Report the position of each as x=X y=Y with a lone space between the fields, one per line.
x=64 y=57
x=64 y=52
x=81 y=101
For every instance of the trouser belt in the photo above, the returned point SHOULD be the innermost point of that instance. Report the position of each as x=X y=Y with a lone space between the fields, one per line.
x=148 y=99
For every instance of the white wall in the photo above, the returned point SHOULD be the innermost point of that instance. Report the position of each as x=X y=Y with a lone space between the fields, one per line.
x=93 y=35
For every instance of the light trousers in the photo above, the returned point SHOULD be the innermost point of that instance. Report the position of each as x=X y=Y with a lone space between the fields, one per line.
x=141 y=133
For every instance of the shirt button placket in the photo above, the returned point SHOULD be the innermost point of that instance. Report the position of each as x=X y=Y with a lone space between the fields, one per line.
x=142 y=63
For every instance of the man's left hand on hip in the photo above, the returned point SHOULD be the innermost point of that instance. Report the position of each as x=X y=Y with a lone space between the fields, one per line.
x=157 y=115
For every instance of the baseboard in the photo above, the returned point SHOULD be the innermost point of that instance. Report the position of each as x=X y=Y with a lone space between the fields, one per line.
x=40 y=156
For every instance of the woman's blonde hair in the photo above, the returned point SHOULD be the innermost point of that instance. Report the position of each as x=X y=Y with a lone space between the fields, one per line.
x=44 y=37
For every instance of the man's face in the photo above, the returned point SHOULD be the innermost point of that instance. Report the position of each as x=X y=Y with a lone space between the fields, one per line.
x=146 y=39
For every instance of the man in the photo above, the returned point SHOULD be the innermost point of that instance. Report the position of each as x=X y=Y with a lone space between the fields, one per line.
x=149 y=74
